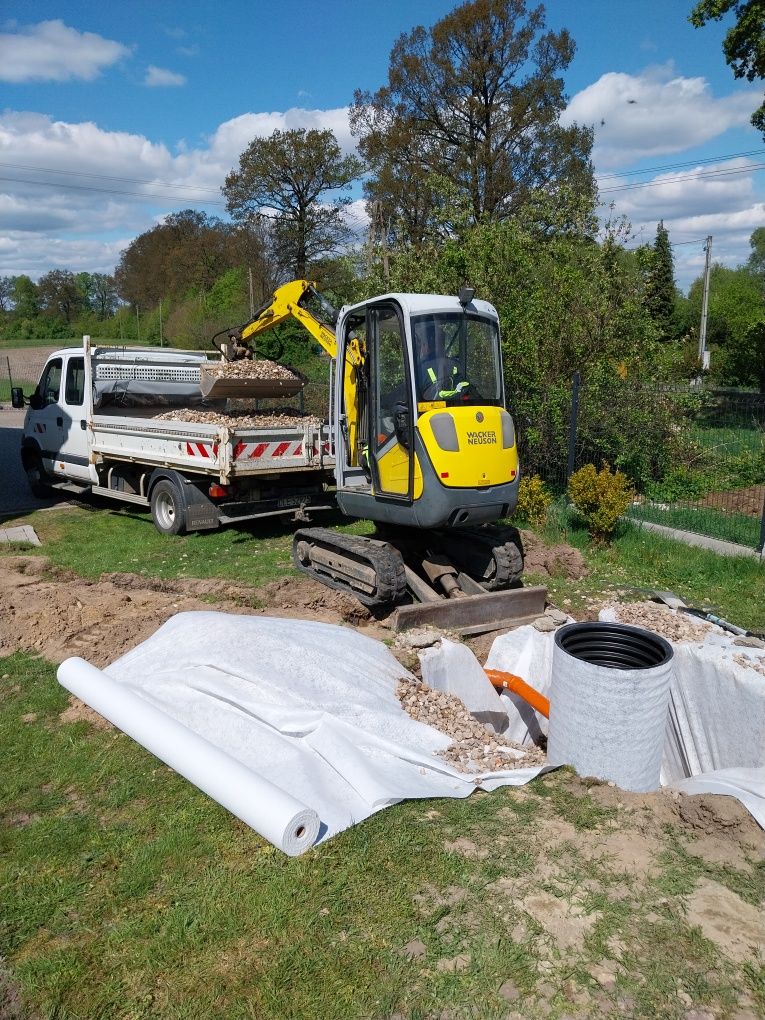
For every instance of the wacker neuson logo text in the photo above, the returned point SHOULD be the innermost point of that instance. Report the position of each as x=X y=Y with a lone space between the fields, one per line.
x=481 y=438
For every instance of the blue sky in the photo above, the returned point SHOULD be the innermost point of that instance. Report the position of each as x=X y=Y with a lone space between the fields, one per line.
x=156 y=101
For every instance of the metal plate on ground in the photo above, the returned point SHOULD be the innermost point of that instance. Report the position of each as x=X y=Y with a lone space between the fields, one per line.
x=475 y=614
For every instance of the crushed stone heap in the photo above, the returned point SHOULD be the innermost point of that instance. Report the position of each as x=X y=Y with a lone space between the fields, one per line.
x=662 y=620
x=473 y=748
x=246 y=369
x=279 y=418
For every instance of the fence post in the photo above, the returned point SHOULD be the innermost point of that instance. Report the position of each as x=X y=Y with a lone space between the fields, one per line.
x=762 y=529
x=575 y=381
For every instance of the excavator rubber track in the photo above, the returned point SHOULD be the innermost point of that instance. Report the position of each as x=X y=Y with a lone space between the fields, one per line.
x=371 y=570
x=492 y=555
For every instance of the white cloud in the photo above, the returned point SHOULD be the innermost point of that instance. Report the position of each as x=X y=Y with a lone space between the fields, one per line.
x=694 y=205
x=654 y=113
x=160 y=76
x=51 y=51
x=36 y=254
x=100 y=182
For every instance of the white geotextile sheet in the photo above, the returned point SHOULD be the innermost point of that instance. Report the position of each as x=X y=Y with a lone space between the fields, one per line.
x=716 y=719
x=309 y=707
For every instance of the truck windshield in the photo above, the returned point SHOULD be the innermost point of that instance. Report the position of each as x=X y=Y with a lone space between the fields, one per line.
x=457 y=359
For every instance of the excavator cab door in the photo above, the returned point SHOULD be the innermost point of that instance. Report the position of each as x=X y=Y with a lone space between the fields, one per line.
x=391 y=420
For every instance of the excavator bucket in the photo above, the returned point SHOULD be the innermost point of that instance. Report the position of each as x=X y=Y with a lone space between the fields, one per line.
x=216 y=385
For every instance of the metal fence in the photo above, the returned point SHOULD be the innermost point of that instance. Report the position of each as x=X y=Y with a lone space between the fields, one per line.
x=21 y=366
x=695 y=456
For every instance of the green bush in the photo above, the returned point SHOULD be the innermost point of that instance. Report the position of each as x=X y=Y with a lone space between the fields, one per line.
x=600 y=498
x=534 y=502
x=681 y=483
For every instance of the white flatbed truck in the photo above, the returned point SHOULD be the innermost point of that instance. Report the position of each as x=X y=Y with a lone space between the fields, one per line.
x=92 y=424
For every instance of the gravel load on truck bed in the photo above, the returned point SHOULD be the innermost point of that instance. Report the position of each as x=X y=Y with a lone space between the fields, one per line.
x=261 y=369
x=474 y=749
x=278 y=418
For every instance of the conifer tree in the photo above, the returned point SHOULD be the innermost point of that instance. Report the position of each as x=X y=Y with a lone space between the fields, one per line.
x=660 y=288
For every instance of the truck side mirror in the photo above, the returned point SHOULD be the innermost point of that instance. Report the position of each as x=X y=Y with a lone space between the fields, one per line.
x=17 y=397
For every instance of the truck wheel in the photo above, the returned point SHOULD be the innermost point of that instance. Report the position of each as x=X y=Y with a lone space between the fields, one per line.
x=36 y=477
x=168 y=509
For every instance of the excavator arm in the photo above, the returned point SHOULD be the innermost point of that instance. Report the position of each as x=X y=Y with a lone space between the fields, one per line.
x=288 y=301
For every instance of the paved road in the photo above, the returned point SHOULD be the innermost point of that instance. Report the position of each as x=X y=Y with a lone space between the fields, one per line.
x=15 y=497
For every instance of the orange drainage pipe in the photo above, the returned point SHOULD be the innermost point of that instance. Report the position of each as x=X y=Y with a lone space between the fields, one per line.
x=510 y=682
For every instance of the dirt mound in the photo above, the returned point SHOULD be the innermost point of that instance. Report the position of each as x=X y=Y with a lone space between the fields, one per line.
x=314 y=597
x=551 y=560
x=58 y=614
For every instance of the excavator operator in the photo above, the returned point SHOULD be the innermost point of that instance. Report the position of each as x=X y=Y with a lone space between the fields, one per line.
x=439 y=377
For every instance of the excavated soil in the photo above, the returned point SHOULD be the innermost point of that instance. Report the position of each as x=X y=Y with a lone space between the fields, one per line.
x=747 y=501
x=551 y=560
x=278 y=418
x=57 y=614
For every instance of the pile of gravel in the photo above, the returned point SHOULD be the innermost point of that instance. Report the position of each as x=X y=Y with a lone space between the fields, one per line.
x=677 y=627
x=473 y=749
x=279 y=418
x=246 y=369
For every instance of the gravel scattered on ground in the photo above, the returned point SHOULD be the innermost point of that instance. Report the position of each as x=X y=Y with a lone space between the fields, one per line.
x=662 y=620
x=246 y=369
x=473 y=749
x=758 y=665
x=279 y=418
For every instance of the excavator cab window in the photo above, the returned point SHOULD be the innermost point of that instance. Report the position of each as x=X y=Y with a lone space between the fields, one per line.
x=457 y=359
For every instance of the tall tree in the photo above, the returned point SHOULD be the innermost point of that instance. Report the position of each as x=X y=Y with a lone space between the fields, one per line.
x=7 y=286
x=744 y=43
x=102 y=294
x=660 y=284
x=293 y=179
x=756 y=261
x=476 y=99
x=60 y=294
x=185 y=253
x=26 y=298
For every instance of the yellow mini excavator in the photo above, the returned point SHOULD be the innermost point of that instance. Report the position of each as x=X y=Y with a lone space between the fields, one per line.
x=423 y=447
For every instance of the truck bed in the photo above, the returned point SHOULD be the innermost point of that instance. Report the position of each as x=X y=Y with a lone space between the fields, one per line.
x=135 y=436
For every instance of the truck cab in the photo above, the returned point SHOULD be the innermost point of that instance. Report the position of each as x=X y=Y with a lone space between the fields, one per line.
x=55 y=439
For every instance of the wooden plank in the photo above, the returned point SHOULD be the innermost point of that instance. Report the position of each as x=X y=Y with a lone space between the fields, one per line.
x=475 y=614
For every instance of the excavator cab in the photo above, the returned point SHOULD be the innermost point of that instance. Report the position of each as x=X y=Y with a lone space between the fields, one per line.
x=422 y=436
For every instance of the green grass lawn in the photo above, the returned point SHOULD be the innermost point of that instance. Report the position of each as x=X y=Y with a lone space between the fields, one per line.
x=703 y=520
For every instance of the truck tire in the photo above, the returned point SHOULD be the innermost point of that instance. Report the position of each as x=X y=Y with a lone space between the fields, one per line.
x=36 y=476
x=168 y=508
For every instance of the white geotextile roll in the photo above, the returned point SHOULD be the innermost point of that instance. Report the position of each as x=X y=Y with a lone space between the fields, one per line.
x=608 y=722
x=274 y=814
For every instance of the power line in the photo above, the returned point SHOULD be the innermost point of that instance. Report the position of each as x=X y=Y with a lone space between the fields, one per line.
x=676 y=166
x=104 y=177
x=105 y=191
x=752 y=168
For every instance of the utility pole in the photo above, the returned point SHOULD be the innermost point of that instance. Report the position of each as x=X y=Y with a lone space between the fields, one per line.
x=703 y=352
x=252 y=297
x=161 y=344
x=138 y=323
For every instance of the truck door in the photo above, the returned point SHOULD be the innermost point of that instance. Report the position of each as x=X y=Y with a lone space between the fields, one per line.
x=45 y=423
x=73 y=449
x=391 y=437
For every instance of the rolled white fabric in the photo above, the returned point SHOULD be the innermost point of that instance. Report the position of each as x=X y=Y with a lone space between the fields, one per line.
x=278 y=817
